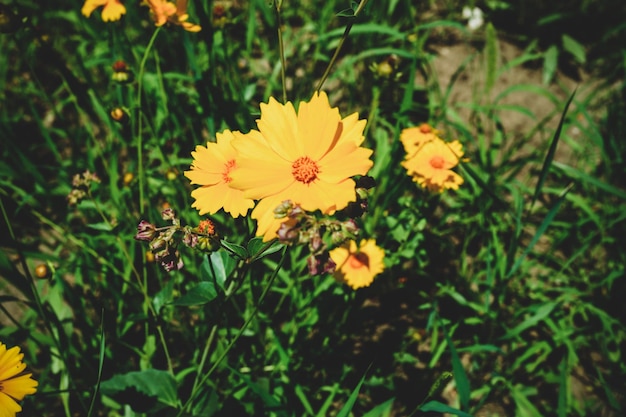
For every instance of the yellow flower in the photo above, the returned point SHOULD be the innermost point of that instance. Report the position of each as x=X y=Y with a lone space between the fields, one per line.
x=212 y=168
x=414 y=137
x=431 y=165
x=112 y=10
x=307 y=157
x=357 y=268
x=164 y=11
x=14 y=384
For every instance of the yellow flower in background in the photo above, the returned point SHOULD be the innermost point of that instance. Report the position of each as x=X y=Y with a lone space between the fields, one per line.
x=164 y=11
x=14 y=384
x=308 y=157
x=357 y=267
x=431 y=165
x=211 y=168
x=111 y=9
x=414 y=137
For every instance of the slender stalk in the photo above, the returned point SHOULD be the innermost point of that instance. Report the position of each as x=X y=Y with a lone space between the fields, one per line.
x=340 y=45
x=221 y=357
x=142 y=67
x=281 y=49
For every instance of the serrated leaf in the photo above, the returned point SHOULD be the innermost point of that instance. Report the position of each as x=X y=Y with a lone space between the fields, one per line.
x=202 y=293
x=574 y=48
x=152 y=382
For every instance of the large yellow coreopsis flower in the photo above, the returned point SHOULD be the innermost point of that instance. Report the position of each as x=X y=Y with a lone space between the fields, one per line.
x=14 y=384
x=212 y=167
x=307 y=157
x=358 y=267
x=111 y=9
x=431 y=167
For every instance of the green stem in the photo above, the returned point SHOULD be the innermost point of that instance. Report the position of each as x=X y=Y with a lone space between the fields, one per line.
x=221 y=357
x=340 y=45
x=281 y=50
x=140 y=172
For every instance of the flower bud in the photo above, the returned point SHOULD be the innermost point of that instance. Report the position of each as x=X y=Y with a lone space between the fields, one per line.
x=42 y=271
x=146 y=231
x=120 y=115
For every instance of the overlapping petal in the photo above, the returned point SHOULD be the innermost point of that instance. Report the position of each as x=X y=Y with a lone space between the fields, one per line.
x=212 y=168
x=308 y=157
x=14 y=384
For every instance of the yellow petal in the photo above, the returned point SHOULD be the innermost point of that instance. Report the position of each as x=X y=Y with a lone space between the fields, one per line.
x=279 y=128
x=91 y=5
x=8 y=406
x=113 y=11
x=319 y=126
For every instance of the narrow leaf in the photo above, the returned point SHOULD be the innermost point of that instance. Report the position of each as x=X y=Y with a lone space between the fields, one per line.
x=491 y=53
x=550 y=155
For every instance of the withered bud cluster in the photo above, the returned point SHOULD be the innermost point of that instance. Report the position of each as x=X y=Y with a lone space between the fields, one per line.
x=81 y=186
x=320 y=235
x=164 y=241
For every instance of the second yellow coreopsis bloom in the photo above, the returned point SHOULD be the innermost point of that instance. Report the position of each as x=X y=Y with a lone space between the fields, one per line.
x=307 y=157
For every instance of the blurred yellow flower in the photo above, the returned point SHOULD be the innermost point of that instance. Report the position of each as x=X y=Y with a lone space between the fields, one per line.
x=111 y=9
x=431 y=165
x=358 y=267
x=414 y=137
x=164 y=11
x=308 y=157
x=212 y=168
x=14 y=383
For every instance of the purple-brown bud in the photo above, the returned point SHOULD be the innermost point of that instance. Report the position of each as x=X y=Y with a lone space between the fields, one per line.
x=146 y=231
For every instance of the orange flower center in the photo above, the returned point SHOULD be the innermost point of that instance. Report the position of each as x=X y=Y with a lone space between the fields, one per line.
x=437 y=162
x=228 y=166
x=305 y=170
x=359 y=260
x=424 y=128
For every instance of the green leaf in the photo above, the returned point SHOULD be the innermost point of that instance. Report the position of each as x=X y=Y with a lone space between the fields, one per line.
x=438 y=407
x=258 y=249
x=542 y=312
x=152 y=382
x=102 y=226
x=491 y=53
x=381 y=410
x=217 y=267
x=237 y=250
x=574 y=48
x=551 y=152
x=202 y=293
x=540 y=231
x=550 y=61
x=347 y=408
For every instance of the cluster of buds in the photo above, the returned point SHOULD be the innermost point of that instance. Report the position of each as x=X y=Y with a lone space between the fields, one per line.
x=81 y=184
x=320 y=235
x=164 y=241
x=122 y=72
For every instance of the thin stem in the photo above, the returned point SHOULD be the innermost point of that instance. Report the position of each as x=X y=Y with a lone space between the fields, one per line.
x=237 y=336
x=340 y=45
x=142 y=68
x=281 y=49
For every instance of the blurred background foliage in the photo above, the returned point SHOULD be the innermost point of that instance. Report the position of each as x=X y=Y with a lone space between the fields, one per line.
x=521 y=301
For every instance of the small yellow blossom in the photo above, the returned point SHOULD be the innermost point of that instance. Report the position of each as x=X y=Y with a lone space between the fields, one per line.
x=111 y=9
x=431 y=167
x=358 y=267
x=414 y=137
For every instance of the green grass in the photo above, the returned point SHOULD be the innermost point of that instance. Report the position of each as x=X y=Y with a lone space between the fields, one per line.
x=513 y=283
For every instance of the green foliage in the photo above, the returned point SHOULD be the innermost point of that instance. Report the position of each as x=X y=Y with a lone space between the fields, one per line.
x=504 y=293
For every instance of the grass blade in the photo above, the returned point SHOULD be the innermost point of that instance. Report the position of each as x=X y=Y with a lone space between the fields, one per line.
x=550 y=156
